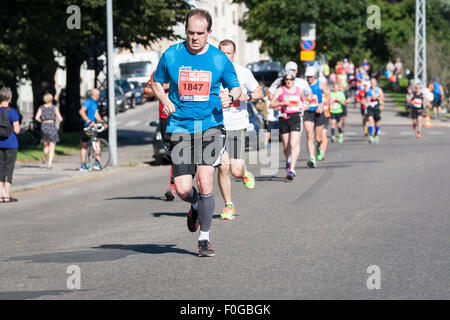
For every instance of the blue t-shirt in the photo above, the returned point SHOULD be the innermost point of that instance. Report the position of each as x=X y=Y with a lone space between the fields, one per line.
x=11 y=142
x=317 y=96
x=91 y=106
x=195 y=86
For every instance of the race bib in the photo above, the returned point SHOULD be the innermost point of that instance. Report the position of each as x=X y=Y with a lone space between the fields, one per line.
x=194 y=85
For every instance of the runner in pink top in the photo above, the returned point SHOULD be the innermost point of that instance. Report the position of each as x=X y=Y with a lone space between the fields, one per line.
x=288 y=99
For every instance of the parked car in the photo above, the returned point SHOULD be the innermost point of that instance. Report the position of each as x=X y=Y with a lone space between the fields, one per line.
x=138 y=89
x=103 y=101
x=128 y=91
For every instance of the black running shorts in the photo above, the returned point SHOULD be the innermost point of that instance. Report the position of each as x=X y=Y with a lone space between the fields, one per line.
x=187 y=151
x=416 y=112
x=374 y=112
x=293 y=123
x=312 y=116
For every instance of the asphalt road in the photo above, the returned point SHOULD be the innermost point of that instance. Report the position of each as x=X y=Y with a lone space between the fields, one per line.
x=366 y=205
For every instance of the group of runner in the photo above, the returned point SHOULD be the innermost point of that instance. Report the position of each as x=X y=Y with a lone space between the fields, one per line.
x=203 y=98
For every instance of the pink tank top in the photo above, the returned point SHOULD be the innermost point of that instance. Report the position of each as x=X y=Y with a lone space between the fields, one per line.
x=294 y=99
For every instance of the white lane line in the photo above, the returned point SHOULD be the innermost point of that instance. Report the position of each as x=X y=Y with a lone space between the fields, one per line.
x=132 y=123
x=435 y=133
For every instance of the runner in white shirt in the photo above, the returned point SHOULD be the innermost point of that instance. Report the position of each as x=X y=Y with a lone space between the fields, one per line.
x=236 y=122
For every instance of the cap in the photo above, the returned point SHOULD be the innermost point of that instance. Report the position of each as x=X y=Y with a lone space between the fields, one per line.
x=310 y=72
x=345 y=60
x=291 y=65
x=434 y=79
x=418 y=83
x=288 y=73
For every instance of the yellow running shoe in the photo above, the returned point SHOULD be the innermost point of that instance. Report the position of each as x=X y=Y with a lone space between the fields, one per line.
x=228 y=213
x=248 y=179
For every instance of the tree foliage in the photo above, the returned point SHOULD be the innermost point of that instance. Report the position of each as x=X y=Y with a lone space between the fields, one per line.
x=341 y=30
x=33 y=31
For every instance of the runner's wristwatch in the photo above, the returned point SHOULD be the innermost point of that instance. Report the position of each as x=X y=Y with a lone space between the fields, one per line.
x=232 y=99
x=250 y=96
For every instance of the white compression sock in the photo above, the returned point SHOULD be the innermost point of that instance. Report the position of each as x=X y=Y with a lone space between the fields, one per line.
x=203 y=236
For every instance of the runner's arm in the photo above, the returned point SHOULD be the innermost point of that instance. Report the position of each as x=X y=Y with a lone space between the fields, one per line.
x=158 y=90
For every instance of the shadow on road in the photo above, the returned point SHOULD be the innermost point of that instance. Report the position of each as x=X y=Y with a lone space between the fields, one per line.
x=147 y=248
x=177 y=214
x=272 y=178
x=138 y=198
x=24 y=295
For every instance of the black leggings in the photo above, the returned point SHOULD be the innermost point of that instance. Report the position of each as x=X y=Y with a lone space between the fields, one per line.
x=7 y=163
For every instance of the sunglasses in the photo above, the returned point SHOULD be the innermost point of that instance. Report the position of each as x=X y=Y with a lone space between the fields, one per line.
x=289 y=79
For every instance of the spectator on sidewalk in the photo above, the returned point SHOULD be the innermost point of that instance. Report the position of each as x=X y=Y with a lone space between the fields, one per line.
x=47 y=115
x=9 y=129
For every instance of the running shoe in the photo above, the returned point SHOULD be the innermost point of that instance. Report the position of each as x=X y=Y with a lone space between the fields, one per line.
x=312 y=162
x=418 y=136
x=97 y=166
x=228 y=213
x=376 y=139
x=340 y=138
x=371 y=139
x=248 y=179
x=291 y=175
x=320 y=155
x=84 y=168
x=192 y=220
x=170 y=194
x=205 y=249
x=333 y=139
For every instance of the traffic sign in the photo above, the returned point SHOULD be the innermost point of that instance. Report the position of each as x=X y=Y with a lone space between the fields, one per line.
x=307 y=55
x=308 y=45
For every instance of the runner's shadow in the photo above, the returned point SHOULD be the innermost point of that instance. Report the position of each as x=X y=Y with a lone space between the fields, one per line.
x=272 y=178
x=177 y=214
x=147 y=248
x=138 y=198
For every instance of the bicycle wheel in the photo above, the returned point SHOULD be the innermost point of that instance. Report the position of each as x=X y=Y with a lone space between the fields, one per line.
x=99 y=152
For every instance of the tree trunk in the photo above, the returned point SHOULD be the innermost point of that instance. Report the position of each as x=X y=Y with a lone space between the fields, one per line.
x=42 y=77
x=70 y=110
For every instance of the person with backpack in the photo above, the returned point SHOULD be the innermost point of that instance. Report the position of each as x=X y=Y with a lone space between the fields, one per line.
x=438 y=96
x=9 y=129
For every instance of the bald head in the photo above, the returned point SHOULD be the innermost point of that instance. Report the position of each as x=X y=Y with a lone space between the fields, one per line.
x=95 y=94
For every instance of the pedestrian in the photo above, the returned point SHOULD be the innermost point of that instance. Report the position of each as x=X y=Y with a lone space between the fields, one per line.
x=236 y=122
x=438 y=96
x=9 y=129
x=90 y=115
x=47 y=115
x=399 y=68
x=288 y=99
x=195 y=70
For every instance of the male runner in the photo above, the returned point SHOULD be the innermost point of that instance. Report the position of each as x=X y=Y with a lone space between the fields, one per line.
x=438 y=96
x=195 y=70
x=148 y=93
x=236 y=122
x=361 y=98
x=314 y=119
x=375 y=102
x=337 y=100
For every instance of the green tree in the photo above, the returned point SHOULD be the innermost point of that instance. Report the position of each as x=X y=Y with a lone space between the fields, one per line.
x=36 y=29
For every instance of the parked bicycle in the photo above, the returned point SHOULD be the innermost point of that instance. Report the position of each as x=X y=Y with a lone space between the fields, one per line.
x=98 y=155
x=30 y=135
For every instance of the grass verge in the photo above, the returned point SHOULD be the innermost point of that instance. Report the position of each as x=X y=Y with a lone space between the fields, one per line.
x=69 y=144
